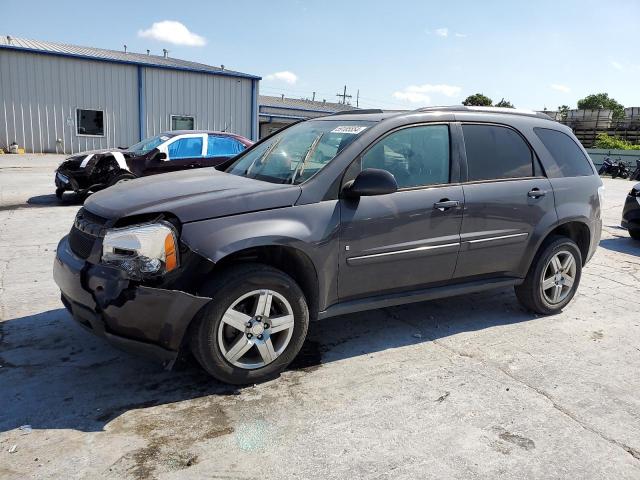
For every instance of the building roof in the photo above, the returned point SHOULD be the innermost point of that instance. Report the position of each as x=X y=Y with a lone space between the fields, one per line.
x=116 y=56
x=302 y=104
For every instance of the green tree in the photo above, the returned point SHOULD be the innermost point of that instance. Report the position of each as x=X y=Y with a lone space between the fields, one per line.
x=602 y=100
x=505 y=104
x=477 y=100
x=606 y=142
x=563 y=110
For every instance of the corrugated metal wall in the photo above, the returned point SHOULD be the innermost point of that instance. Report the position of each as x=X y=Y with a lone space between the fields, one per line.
x=216 y=102
x=39 y=95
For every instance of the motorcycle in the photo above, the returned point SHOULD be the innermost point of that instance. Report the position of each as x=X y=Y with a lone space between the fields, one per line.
x=615 y=168
x=636 y=173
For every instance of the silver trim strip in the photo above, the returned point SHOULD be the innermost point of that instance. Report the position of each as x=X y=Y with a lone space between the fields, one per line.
x=410 y=250
x=480 y=240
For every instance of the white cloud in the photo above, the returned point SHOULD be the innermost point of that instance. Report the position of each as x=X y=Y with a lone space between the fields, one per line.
x=420 y=93
x=616 y=65
x=442 y=32
x=461 y=35
x=559 y=87
x=286 y=77
x=173 y=32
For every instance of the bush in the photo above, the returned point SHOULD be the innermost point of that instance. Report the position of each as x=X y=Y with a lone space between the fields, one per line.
x=606 y=142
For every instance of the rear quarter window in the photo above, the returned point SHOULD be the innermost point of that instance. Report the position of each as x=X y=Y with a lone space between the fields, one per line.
x=571 y=160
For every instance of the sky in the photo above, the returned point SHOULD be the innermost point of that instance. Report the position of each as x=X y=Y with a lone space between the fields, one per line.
x=398 y=54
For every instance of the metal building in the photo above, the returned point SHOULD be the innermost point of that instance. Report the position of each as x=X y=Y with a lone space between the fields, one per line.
x=65 y=99
x=277 y=112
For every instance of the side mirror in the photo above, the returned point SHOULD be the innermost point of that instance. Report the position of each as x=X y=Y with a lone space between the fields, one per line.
x=371 y=181
x=158 y=155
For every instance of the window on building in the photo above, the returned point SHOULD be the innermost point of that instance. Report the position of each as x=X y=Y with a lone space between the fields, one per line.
x=182 y=122
x=416 y=156
x=90 y=122
x=190 y=147
x=571 y=161
x=495 y=152
x=219 y=146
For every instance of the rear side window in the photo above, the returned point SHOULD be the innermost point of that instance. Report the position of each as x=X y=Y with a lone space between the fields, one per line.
x=495 y=152
x=571 y=161
x=223 y=146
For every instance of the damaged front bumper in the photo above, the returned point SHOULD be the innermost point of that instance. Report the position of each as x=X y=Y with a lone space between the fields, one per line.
x=136 y=318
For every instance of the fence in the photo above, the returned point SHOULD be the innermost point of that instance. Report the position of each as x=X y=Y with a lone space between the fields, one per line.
x=598 y=155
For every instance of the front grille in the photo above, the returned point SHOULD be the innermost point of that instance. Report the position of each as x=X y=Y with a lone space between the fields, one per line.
x=81 y=243
x=87 y=228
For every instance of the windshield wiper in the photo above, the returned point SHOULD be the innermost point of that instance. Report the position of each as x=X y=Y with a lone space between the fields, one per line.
x=264 y=156
x=307 y=156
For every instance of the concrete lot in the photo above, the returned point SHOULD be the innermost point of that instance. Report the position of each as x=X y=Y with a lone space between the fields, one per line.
x=469 y=387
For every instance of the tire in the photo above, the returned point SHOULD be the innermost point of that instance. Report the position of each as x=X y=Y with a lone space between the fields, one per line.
x=635 y=234
x=121 y=177
x=531 y=294
x=213 y=340
x=59 y=193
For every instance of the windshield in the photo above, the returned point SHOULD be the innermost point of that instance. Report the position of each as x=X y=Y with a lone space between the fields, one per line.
x=299 y=152
x=149 y=144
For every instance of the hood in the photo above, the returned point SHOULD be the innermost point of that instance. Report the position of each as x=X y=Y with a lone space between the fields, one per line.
x=191 y=195
x=75 y=161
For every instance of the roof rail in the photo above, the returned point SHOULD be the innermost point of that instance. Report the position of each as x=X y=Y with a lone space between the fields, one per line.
x=357 y=111
x=501 y=110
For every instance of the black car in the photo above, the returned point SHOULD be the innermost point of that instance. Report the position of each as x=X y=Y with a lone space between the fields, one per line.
x=631 y=212
x=167 y=152
x=329 y=216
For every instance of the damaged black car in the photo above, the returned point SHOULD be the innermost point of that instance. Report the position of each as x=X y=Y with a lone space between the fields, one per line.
x=167 y=152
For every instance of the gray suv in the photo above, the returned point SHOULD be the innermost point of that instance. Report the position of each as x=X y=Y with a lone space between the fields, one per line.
x=330 y=216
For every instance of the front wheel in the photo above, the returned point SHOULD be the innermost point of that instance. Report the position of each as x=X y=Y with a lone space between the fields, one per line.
x=254 y=327
x=635 y=234
x=121 y=178
x=553 y=277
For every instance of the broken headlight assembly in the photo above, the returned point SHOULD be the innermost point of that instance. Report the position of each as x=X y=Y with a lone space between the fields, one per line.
x=142 y=251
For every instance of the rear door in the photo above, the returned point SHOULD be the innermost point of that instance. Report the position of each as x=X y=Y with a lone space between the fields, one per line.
x=506 y=197
x=219 y=149
x=410 y=238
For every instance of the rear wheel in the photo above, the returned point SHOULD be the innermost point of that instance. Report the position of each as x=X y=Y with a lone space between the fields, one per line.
x=254 y=327
x=553 y=277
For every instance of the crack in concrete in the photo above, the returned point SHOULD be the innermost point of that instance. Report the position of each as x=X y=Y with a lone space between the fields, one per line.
x=635 y=453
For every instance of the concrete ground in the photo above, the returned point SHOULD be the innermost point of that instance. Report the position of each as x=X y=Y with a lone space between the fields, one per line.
x=471 y=387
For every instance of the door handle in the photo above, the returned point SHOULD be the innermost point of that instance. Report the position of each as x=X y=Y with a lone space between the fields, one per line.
x=446 y=204
x=536 y=193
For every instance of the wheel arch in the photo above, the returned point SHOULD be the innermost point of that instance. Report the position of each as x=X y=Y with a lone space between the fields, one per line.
x=290 y=260
x=577 y=230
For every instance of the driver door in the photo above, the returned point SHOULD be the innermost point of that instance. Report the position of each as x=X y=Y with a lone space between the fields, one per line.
x=408 y=239
x=183 y=151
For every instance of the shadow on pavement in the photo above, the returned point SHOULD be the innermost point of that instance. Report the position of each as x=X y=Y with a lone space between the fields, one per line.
x=55 y=375
x=52 y=200
x=622 y=245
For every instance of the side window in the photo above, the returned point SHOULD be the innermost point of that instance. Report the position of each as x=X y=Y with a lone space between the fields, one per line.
x=190 y=147
x=223 y=146
x=416 y=156
x=182 y=122
x=495 y=152
x=90 y=122
x=571 y=161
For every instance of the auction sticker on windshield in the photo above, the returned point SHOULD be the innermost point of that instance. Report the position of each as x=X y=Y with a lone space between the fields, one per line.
x=352 y=129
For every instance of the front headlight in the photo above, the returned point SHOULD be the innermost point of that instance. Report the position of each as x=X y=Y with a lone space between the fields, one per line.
x=142 y=250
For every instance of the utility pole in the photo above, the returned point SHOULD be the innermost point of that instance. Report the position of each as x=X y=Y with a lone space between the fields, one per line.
x=314 y=97
x=358 y=99
x=344 y=95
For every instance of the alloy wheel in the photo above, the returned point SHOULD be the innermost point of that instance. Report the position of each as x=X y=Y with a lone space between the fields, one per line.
x=256 y=329
x=558 y=277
